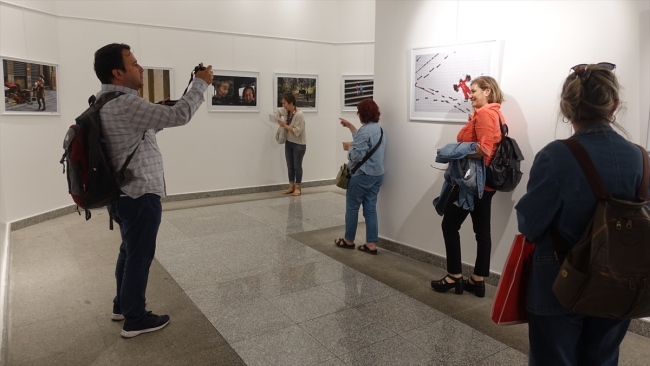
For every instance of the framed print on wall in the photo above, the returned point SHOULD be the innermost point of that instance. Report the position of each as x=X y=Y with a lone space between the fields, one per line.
x=158 y=84
x=303 y=87
x=354 y=89
x=233 y=91
x=440 y=79
x=30 y=87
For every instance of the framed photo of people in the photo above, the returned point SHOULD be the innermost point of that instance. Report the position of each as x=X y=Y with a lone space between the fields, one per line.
x=303 y=87
x=440 y=79
x=233 y=91
x=30 y=87
x=354 y=89
x=158 y=84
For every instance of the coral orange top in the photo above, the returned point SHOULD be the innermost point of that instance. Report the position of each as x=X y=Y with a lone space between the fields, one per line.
x=484 y=129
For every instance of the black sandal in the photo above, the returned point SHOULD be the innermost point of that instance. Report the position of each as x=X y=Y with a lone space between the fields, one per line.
x=477 y=287
x=444 y=285
x=364 y=248
x=340 y=242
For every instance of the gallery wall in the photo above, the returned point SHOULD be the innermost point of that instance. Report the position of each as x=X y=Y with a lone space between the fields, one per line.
x=542 y=40
x=216 y=151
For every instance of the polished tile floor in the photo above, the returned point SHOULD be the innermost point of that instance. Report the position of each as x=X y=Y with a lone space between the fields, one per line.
x=250 y=279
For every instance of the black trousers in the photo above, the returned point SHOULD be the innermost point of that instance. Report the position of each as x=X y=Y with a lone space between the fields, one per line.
x=294 y=153
x=451 y=223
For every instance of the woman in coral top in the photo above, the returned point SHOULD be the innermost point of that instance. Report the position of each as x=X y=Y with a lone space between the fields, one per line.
x=483 y=128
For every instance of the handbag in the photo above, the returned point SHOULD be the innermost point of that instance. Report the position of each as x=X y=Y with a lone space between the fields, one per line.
x=509 y=306
x=504 y=172
x=344 y=175
x=281 y=135
x=343 y=178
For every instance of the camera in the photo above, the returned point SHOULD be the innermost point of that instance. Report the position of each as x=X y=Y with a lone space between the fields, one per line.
x=170 y=103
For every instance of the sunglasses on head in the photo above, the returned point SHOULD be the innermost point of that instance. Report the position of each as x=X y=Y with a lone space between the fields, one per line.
x=584 y=72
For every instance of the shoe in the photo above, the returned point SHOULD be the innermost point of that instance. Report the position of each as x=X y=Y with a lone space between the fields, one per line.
x=117 y=313
x=296 y=191
x=364 y=248
x=477 y=287
x=150 y=323
x=341 y=243
x=292 y=187
x=444 y=285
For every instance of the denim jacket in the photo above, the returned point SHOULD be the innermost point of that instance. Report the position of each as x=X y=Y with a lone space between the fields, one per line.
x=559 y=194
x=467 y=173
x=364 y=139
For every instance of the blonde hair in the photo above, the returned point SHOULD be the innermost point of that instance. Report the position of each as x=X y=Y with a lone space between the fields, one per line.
x=590 y=94
x=488 y=82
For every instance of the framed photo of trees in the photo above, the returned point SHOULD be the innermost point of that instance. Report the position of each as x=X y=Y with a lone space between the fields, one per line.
x=303 y=87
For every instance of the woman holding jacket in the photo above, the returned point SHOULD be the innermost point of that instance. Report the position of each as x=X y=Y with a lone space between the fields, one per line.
x=559 y=198
x=483 y=129
x=364 y=184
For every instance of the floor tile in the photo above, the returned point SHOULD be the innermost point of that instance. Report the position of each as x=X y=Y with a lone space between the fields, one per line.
x=390 y=352
x=216 y=223
x=284 y=347
x=249 y=319
x=308 y=304
x=400 y=313
x=357 y=290
x=469 y=345
x=508 y=356
x=346 y=331
x=221 y=297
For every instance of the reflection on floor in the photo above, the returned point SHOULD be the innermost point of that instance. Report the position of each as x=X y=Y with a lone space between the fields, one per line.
x=251 y=279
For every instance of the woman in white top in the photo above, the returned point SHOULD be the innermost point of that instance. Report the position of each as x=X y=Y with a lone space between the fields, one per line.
x=296 y=145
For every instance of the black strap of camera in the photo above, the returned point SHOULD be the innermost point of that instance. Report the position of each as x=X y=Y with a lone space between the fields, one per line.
x=172 y=102
x=369 y=154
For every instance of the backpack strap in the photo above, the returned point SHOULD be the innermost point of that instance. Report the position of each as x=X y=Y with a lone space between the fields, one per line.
x=368 y=155
x=588 y=168
x=645 y=181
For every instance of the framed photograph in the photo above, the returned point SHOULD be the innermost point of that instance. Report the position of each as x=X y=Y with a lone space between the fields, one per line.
x=440 y=78
x=303 y=87
x=233 y=91
x=158 y=84
x=30 y=87
x=354 y=89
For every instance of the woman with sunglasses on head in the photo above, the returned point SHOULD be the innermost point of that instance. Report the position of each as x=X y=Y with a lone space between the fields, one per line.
x=482 y=128
x=560 y=201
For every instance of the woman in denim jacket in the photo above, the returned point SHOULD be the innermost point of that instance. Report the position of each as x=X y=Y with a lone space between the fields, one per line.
x=559 y=195
x=365 y=182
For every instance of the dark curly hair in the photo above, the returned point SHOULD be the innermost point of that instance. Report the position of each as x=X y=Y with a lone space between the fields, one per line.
x=368 y=111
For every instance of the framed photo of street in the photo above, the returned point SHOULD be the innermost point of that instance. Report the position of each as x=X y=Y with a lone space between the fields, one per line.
x=30 y=87
x=303 y=87
x=354 y=89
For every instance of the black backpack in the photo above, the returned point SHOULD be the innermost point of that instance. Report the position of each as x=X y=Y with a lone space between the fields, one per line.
x=607 y=273
x=504 y=173
x=91 y=181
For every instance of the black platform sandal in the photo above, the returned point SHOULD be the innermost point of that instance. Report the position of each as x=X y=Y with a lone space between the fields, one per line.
x=477 y=287
x=444 y=285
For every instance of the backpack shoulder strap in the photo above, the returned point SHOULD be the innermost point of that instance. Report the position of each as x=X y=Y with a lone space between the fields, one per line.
x=645 y=181
x=588 y=168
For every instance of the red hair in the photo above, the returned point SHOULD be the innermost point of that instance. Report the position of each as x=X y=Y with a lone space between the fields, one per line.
x=368 y=111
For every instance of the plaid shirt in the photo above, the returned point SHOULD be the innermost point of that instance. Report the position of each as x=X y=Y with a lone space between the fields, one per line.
x=124 y=121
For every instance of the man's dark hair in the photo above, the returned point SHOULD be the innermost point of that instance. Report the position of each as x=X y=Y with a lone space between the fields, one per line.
x=109 y=58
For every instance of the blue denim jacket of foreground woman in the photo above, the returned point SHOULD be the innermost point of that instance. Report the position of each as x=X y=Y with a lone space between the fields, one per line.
x=364 y=139
x=558 y=193
x=467 y=173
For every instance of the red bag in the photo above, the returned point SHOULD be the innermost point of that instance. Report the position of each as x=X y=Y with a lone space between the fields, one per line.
x=509 y=305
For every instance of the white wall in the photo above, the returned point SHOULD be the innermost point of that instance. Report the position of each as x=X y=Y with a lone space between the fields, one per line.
x=543 y=39
x=215 y=151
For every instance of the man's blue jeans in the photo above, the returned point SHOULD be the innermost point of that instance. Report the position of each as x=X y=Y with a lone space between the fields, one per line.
x=139 y=220
x=573 y=339
x=362 y=189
